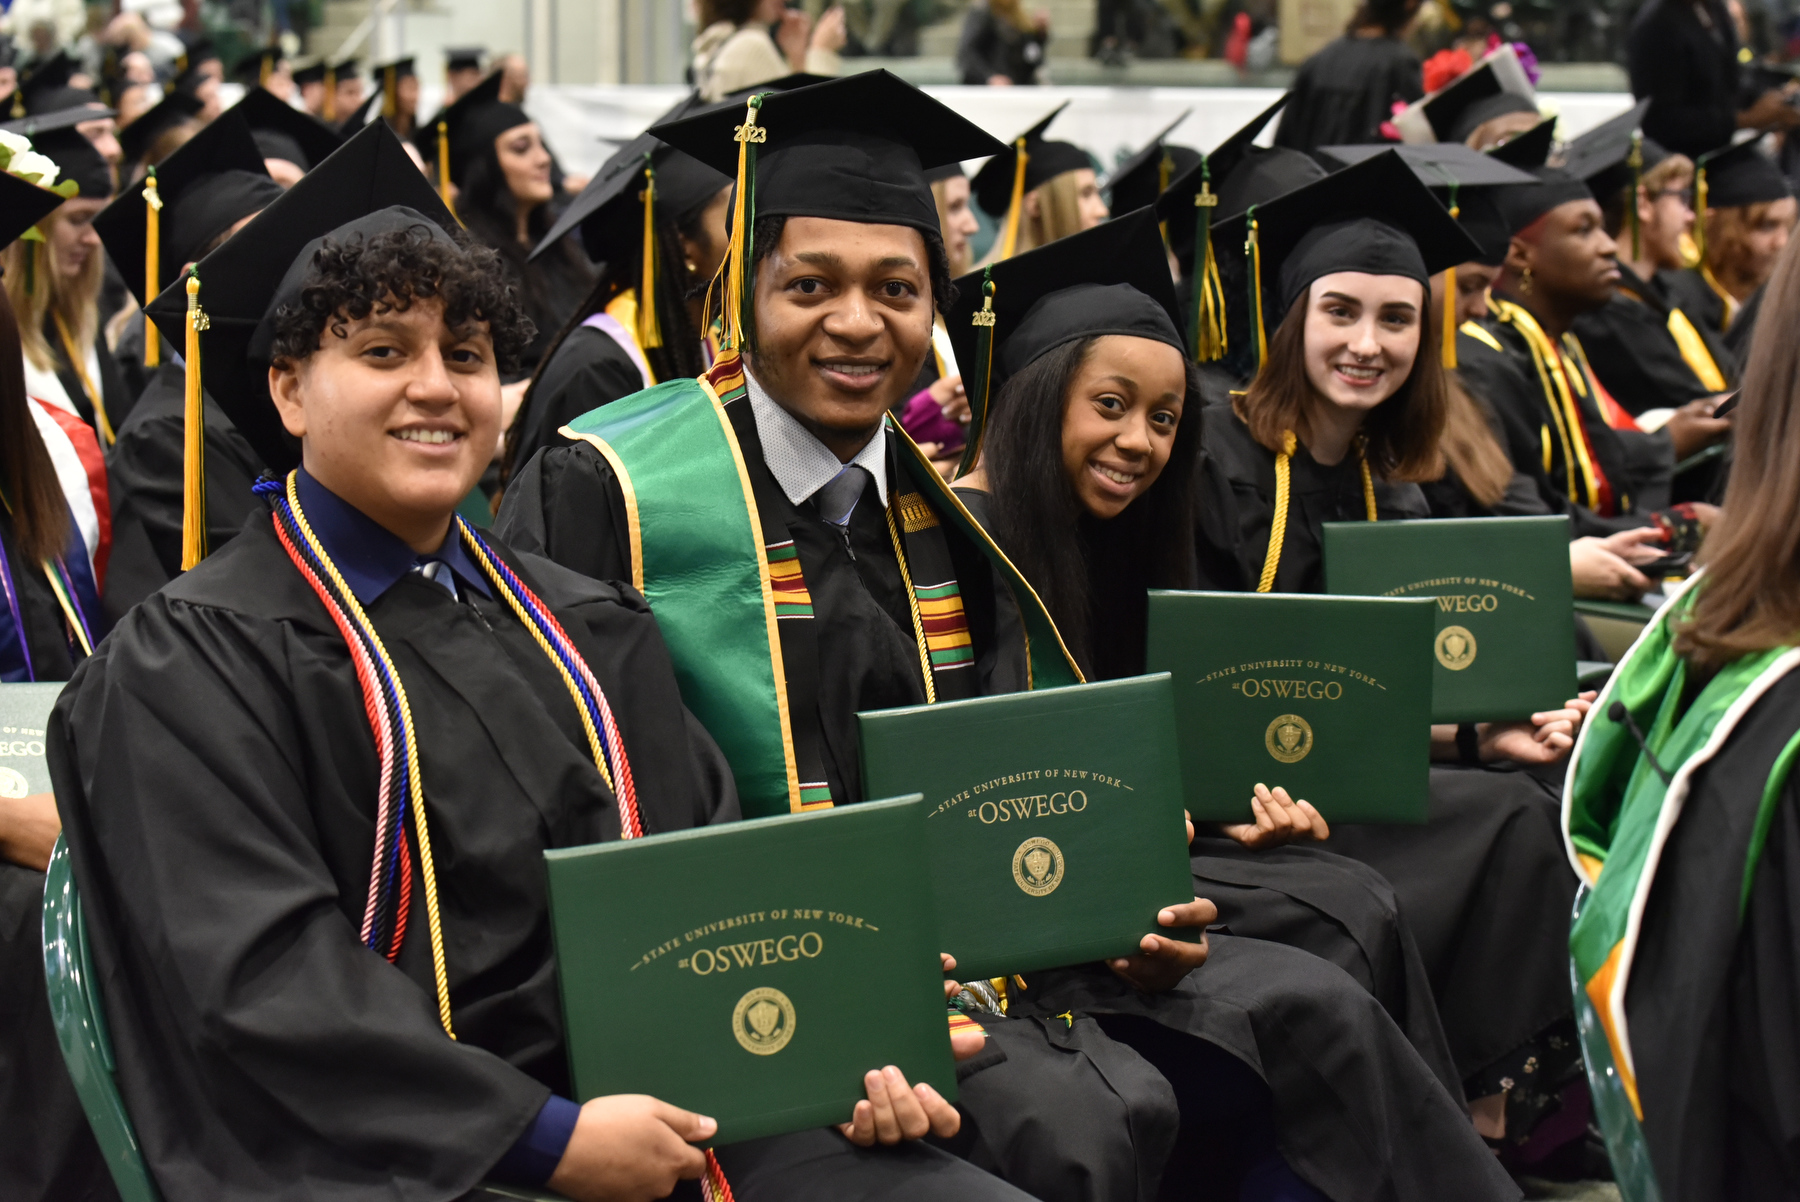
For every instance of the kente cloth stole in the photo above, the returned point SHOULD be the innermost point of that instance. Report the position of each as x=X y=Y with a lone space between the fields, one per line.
x=1618 y=814
x=723 y=578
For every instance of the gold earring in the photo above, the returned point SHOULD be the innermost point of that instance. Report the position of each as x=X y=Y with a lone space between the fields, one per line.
x=1525 y=281
x=690 y=266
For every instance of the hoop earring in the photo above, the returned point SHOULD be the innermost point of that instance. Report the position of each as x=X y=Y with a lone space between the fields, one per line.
x=1525 y=281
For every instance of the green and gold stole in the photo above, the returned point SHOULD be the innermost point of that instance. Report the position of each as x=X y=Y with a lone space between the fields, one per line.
x=1618 y=815
x=724 y=579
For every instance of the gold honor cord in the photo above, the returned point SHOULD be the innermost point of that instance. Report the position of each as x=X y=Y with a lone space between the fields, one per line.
x=193 y=458
x=1016 y=206
x=1729 y=303
x=1558 y=396
x=1209 y=291
x=152 y=267
x=649 y=332
x=78 y=362
x=1278 y=523
x=912 y=605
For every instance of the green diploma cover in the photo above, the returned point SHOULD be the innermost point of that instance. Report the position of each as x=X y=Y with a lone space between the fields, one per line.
x=1504 y=642
x=1329 y=697
x=1054 y=818
x=753 y=971
x=24 y=716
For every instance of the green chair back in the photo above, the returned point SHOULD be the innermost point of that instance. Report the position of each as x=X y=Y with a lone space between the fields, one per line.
x=80 y=1021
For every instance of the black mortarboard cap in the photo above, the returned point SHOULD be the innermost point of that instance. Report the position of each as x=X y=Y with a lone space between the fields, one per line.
x=1529 y=149
x=245 y=279
x=1603 y=155
x=1739 y=175
x=610 y=212
x=47 y=89
x=345 y=68
x=1176 y=204
x=313 y=72
x=1141 y=178
x=200 y=49
x=214 y=180
x=1111 y=279
x=254 y=68
x=853 y=149
x=464 y=58
x=303 y=139
x=400 y=68
x=135 y=139
x=22 y=205
x=1375 y=217
x=1437 y=164
x=1553 y=187
x=472 y=123
x=56 y=138
x=1044 y=161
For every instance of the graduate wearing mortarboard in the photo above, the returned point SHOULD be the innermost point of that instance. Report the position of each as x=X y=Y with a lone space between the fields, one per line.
x=292 y=142
x=153 y=136
x=654 y=219
x=398 y=83
x=1744 y=209
x=49 y=622
x=310 y=79
x=1039 y=190
x=462 y=70
x=204 y=191
x=1648 y=352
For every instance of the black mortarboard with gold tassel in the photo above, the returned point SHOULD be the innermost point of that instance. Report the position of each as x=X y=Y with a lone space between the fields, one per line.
x=390 y=75
x=1111 y=279
x=1028 y=162
x=218 y=308
x=617 y=214
x=851 y=149
x=1146 y=173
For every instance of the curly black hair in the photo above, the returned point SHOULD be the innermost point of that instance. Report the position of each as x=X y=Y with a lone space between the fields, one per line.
x=766 y=235
x=389 y=271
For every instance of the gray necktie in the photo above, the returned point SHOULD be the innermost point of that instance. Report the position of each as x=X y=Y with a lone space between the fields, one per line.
x=837 y=498
x=438 y=572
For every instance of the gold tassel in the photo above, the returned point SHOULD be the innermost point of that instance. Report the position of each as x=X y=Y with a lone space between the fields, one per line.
x=1015 y=208
x=649 y=332
x=331 y=93
x=743 y=212
x=1256 y=298
x=1700 y=215
x=193 y=459
x=268 y=69
x=1209 y=296
x=1448 y=357
x=390 y=106
x=152 y=266
x=444 y=167
x=1636 y=162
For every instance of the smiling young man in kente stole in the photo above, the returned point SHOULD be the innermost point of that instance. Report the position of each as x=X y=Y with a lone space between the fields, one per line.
x=308 y=787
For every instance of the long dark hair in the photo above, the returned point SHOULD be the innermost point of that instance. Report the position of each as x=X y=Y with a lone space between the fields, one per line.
x=487 y=208
x=40 y=513
x=1091 y=574
x=1402 y=436
x=679 y=355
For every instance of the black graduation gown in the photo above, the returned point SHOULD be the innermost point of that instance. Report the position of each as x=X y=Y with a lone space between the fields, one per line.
x=1689 y=73
x=144 y=477
x=1490 y=997
x=1743 y=326
x=217 y=779
x=1236 y=507
x=1629 y=346
x=1345 y=91
x=48 y=1151
x=113 y=393
x=1687 y=290
x=588 y=370
x=1713 y=994
x=1638 y=466
x=566 y=504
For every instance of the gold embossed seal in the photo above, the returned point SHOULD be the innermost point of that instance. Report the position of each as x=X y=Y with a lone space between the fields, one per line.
x=1038 y=866
x=1289 y=738
x=1455 y=647
x=13 y=783
x=763 y=1021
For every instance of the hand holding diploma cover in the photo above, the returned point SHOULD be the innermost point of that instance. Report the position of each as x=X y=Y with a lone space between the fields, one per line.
x=1053 y=818
x=1329 y=697
x=1504 y=643
x=753 y=972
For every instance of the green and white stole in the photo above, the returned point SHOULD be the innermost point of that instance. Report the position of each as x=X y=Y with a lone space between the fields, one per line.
x=1618 y=816
x=725 y=583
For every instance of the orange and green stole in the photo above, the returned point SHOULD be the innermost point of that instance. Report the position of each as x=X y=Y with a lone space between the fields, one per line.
x=724 y=579
x=1618 y=815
